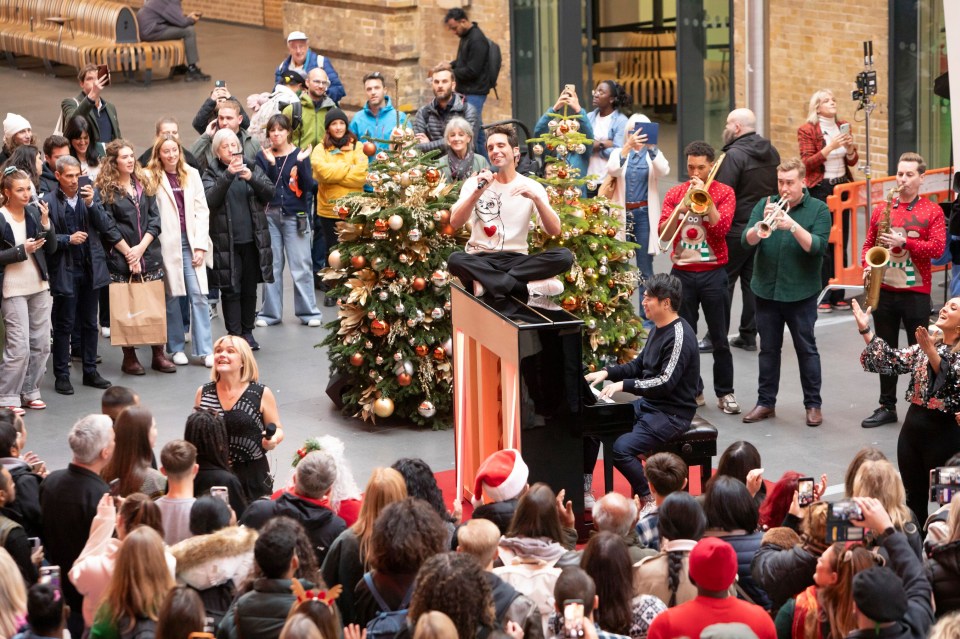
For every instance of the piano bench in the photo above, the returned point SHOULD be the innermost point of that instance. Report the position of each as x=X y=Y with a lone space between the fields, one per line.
x=697 y=447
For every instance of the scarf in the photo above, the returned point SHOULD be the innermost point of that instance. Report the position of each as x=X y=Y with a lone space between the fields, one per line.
x=460 y=169
x=340 y=142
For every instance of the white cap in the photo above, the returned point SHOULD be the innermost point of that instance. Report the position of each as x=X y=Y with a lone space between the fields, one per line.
x=296 y=35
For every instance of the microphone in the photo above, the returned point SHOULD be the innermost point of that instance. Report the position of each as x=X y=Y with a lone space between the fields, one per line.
x=481 y=184
x=269 y=431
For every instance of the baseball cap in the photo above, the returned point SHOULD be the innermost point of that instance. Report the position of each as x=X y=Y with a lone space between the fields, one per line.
x=296 y=35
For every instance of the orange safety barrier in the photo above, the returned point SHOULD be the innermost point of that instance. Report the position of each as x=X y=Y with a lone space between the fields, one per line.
x=851 y=199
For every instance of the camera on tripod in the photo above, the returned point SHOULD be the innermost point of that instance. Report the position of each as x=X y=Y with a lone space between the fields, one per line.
x=866 y=79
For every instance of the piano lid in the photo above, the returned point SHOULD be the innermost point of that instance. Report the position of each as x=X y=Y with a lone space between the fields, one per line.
x=522 y=315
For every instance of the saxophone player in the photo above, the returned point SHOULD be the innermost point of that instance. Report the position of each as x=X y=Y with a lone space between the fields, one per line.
x=786 y=282
x=914 y=234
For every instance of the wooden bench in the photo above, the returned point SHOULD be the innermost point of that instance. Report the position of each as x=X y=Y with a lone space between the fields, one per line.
x=650 y=75
x=81 y=32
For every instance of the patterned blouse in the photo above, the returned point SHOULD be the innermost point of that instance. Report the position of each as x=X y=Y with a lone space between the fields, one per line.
x=933 y=391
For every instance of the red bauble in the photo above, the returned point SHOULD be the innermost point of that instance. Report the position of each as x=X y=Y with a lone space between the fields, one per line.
x=358 y=261
x=404 y=379
x=563 y=129
x=389 y=273
x=419 y=283
x=380 y=225
x=379 y=327
x=356 y=359
x=343 y=212
x=562 y=173
x=569 y=303
x=594 y=208
x=421 y=350
x=439 y=354
x=598 y=307
x=433 y=175
x=369 y=148
x=444 y=217
x=447 y=229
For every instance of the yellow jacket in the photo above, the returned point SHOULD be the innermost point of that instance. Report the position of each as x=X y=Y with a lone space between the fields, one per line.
x=337 y=172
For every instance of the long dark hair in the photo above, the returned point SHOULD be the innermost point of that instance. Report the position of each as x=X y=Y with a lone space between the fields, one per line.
x=679 y=517
x=729 y=505
x=421 y=483
x=132 y=455
x=208 y=432
x=75 y=128
x=24 y=157
x=737 y=460
x=454 y=583
x=607 y=560
x=536 y=515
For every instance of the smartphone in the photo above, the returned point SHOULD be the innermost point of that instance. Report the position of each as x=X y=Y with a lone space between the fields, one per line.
x=573 y=618
x=570 y=88
x=50 y=575
x=34 y=543
x=220 y=84
x=222 y=493
x=805 y=490
x=839 y=516
x=238 y=153
x=103 y=71
x=944 y=483
x=84 y=180
x=845 y=128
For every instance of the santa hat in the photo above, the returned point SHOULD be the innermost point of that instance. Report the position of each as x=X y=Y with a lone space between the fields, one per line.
x=503 y=475
x=13 y=124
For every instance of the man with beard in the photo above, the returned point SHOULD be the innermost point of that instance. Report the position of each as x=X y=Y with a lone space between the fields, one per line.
x=54 y=147
x=378 y=116
x=432 y=118
x=314 y=104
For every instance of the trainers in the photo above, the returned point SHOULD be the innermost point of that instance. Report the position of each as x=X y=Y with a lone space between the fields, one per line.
x=545 y=288
x=881 y=416
x=315 y=322
x=824 y=308
x=543 y=303
x=647 y=505
x=262 y=323
x=589 y=500
x=213 y=310
x=208 y=361
x=701 y=400
x=63 y=386
x=842 y=305
x=105 y=331
x=728 y=404
x=180 y=358
x=477 y=289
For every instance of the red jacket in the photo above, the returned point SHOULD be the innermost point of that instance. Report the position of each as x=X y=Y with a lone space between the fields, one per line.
x=810 y=139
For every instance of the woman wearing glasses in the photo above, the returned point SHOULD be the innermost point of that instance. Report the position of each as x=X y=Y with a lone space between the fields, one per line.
x=249 y=409
x=24 y=231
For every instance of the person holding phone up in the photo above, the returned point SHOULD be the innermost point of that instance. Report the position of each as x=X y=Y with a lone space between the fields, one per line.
x=25 y=229
x=568 y=101
x=828 y=151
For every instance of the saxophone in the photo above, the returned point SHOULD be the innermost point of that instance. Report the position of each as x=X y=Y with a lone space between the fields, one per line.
x=878 y=257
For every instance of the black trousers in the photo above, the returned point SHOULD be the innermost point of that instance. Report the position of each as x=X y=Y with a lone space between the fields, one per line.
x=896 y=308
x=506 y=273
x=240 y=305
x=76 y=314
x=740 y=265
x=927 y=440
x=709 y=290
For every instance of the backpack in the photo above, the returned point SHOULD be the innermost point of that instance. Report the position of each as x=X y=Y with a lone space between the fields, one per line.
x=534 y=578
x=388 y=624
x=494 y=63
x=275 y=104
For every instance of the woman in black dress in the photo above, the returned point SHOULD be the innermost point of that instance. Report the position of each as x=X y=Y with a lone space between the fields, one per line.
x=249 y=410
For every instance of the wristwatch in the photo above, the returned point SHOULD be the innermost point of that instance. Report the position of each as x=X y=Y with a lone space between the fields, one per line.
x=793 y=228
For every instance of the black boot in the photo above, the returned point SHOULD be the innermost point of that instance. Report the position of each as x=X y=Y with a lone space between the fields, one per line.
x=194 y=73
x=180 y=69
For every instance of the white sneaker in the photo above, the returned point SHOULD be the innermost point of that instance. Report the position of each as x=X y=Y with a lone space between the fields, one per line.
x=549 y=287
x=589 y=500
x=208 y=361
x=315 y=323
x=186 y=337
x=477 y=289
x=543 y=303
x=105 y=331
x=180 y=358
x=262 y=323
x=647 y=506
x=213 y=310
x=728 y=404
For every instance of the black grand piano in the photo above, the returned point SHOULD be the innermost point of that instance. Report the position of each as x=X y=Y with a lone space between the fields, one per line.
x=518 y=383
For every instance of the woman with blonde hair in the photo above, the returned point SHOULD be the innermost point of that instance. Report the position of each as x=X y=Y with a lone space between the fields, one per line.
x=828 y=151
x=13 y=596
x=185 y=246
x=346 y=561
x=140 y=583
x=129 y=200
x=434 y=624
x=249 y=409
x=880 y=480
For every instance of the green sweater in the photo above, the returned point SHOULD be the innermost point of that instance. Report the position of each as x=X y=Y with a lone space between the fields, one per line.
x=783 y=271
x=313 y=129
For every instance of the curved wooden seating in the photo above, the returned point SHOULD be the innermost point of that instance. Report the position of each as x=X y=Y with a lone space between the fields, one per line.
x=87 y=32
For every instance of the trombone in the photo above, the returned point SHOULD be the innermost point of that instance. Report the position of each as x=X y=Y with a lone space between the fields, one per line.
x=766 y=226
x=697 y=200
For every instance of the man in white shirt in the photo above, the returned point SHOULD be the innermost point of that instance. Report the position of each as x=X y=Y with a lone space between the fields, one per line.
x=500 y=206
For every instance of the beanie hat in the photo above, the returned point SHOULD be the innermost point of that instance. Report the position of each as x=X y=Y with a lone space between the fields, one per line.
x=14 y=124
x=503 y=475
x=713 y=564
x=333 y=115
x=879 y=594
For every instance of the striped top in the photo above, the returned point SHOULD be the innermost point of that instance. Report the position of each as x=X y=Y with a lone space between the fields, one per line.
x=244 y=421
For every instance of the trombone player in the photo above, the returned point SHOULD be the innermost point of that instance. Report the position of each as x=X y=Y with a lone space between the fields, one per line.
x=790 y=232
x=694 y=221
x=913 y=232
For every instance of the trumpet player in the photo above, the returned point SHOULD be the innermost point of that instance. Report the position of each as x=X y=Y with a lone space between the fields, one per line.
x=699 y=255
x=786 y=283
x=913 y=232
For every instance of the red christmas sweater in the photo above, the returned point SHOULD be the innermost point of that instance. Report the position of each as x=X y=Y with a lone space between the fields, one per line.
x=922 y=223
x=700 y=246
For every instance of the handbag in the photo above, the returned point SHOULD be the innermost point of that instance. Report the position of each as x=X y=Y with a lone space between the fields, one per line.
x=138 y=313
x=608 y=188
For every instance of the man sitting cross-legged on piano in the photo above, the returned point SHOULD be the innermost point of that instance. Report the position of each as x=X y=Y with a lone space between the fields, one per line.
x=500 y=206
x=664 y=375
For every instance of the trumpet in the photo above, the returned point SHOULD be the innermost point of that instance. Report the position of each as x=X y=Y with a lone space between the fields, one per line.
x=767 y=225
x=697 y=200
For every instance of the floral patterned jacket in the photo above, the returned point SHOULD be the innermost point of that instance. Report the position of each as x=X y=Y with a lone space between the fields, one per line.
x=933 y=391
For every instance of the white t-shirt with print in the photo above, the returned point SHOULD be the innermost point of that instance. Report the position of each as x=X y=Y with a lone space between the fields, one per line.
x=501 y=221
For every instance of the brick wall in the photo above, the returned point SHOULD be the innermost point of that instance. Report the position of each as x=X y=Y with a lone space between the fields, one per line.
x=401 y=38
x=813 y=47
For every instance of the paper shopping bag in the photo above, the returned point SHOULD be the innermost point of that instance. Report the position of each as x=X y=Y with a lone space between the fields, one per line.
x=138 y=313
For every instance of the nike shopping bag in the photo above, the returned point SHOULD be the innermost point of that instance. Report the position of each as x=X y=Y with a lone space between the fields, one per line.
x=138 y=313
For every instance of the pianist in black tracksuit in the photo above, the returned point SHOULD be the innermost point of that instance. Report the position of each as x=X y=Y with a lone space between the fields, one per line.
x=665 y=377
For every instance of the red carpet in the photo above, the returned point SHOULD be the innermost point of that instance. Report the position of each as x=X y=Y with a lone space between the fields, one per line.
x=447 y=478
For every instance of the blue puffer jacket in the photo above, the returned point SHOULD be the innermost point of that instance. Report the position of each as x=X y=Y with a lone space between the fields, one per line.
x=368 y=126
x=746 y=546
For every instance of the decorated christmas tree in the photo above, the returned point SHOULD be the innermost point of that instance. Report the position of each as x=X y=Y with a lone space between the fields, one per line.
x=599 y=286
x=391 y=341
